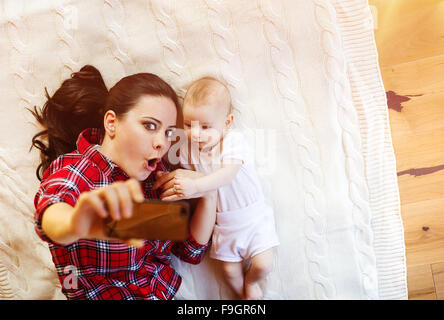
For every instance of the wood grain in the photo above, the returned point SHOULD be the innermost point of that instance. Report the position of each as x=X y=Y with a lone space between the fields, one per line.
x=420 y=283
x=438 y=279
x=410 y=41
x=423 y=81
x=409 y=30
x=419 y=150
x=424 y=231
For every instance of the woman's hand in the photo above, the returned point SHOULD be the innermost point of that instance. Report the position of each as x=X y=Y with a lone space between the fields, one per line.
x=114 y=200
x=178 y=184
x=65 y=224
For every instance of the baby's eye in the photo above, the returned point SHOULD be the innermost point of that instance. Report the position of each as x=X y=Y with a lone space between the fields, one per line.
x=206 y=127
x=150 y=125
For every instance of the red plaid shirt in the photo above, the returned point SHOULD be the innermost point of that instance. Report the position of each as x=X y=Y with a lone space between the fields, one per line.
x=105 y=269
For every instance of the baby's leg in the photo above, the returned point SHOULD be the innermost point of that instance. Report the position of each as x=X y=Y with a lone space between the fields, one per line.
x=234 y=275
x=261 y=265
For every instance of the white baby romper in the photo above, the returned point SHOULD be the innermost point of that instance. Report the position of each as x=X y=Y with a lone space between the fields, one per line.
x=244 y=222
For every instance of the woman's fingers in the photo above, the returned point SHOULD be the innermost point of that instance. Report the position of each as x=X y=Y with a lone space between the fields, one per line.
x=119 y=198
x=125 y=199
x=89 y=212
x=135 y=190
x=93 y=199
x=115 y=200
x=167 y=180
x=167 y=193
x=167 y=185
x=164 y=179
x=110 y=196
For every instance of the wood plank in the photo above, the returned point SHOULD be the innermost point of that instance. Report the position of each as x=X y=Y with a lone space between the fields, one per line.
x=420 y=282
x=438 y=278
x=424 y=231
x=438 y=267
x=407 y=30
x=420 y=151
x=416 y=96
x=428 y=187
x=410 y=41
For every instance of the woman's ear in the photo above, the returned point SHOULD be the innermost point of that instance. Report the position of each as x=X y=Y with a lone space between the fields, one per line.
x=229 y=120
x=109 y=123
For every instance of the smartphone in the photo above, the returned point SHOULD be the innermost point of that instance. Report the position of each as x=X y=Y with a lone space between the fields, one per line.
x=153 y=220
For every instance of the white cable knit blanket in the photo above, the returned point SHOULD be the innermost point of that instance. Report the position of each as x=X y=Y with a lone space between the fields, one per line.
x=306 y=85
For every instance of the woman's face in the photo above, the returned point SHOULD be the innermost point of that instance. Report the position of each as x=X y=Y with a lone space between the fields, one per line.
x=141 y=135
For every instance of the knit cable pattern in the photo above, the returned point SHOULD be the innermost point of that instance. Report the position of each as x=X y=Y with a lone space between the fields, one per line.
x=13 y=195
x=21 y=55
x=114 y=15
x=335 y=67
x=66 y=20
x=168 y=33
x=226 y=47
x=306 y=151
x=12 y=188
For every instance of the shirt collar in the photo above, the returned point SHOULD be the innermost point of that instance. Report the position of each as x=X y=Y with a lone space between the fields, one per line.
x=86 y=143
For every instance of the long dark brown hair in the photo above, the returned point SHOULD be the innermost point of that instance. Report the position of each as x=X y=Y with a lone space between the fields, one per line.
x=81 y=103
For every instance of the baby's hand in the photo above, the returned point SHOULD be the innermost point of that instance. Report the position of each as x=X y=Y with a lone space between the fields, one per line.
x=184 y=188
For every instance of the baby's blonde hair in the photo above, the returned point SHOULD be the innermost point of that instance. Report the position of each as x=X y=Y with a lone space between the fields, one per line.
x=208 y=90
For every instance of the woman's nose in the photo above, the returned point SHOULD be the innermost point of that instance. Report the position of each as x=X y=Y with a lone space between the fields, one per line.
x=159 y=141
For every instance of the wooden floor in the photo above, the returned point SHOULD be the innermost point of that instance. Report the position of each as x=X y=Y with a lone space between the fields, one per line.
x=410 y=41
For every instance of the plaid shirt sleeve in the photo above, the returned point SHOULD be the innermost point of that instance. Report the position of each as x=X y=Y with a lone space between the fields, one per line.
x=190 y=250
x=61 y=186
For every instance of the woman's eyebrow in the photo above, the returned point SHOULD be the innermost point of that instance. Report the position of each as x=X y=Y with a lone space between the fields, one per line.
x=154 y=119
x=158 y=121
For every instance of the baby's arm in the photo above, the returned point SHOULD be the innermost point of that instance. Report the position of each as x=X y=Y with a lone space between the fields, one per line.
x=186 y=188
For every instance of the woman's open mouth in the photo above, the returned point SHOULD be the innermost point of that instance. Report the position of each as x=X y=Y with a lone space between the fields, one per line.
x=151 y=164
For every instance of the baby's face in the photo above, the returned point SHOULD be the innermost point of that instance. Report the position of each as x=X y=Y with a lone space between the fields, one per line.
x=205 y=124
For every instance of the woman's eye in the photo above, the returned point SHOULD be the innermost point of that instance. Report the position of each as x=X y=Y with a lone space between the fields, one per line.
x=205 y=127
x=169 y=133
x=150 y=125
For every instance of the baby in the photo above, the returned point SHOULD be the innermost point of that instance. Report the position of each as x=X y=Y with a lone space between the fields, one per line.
x=245 y=224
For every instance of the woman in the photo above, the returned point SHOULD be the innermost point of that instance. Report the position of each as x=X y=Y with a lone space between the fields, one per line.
x=119 y=138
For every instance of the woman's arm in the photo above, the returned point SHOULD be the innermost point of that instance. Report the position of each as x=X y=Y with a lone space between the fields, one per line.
x=56 y=223
x=204 y=218
x=65 y=224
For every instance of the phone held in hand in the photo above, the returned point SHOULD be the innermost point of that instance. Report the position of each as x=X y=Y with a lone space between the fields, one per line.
x=152 y=220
